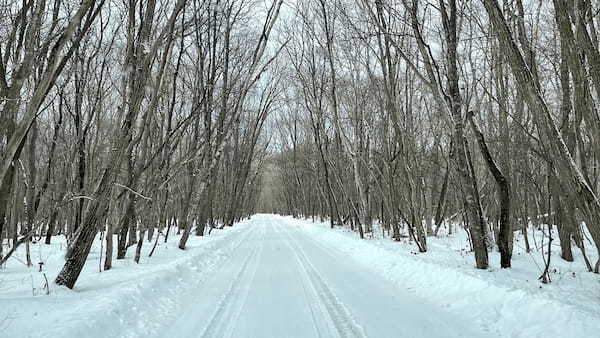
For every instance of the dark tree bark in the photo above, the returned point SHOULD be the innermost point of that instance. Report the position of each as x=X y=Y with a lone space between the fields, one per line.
x=505 y=236
x=562 y=161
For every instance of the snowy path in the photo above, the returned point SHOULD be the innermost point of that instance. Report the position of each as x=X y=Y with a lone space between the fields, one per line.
x=281 y=282
x=274 y=276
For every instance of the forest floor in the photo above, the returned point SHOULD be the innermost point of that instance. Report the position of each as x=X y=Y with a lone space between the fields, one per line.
x=275 y=276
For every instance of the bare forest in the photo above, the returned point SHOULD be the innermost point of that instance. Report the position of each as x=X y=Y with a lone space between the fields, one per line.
x=128 y=127
x=466 y=115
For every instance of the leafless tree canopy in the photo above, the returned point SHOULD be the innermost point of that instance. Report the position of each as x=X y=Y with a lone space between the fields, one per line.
x=137 y=118
x=425 y=115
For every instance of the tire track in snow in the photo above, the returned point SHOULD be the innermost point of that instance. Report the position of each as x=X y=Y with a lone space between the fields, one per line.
x=247 y=285
x=340 y=317
x=333 y=252
x=314 y=308
x=224 y=319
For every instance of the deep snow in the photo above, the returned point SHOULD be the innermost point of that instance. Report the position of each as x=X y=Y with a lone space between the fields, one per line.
x=130 y=300
x=276 y=276
x=504 y=302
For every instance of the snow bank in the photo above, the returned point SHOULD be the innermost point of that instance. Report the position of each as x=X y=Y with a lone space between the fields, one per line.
x=128 y=300
x=504 y=302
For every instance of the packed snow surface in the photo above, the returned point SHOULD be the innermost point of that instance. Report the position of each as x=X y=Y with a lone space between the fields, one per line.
x=275 y=276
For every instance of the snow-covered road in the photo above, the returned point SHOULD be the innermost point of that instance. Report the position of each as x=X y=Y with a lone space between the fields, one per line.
x=273 y=276
x=281 y=282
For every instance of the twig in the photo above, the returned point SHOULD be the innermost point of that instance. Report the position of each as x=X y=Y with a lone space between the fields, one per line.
x=80 y=197
x=133 y=192
x=47 y=285
x=16 y=245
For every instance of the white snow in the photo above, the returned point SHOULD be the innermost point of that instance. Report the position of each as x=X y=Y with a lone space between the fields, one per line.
x=504 y=302
x=275 y=276
x=130 y=300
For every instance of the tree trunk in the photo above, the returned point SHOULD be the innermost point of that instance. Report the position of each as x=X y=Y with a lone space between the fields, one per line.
x=570 y=176
x=505 y=237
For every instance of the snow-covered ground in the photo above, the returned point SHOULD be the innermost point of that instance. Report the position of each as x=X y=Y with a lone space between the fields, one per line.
x=276 y=276
x=506 y=302
x=130 y=300
x=284 y=283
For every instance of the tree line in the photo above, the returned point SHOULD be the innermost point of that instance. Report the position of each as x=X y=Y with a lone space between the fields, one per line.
x=427 y=114
x=131 y=118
